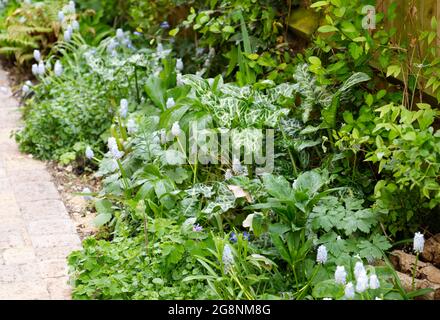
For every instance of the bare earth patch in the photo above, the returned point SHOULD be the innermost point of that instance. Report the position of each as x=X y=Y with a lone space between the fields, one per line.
x=69 y=184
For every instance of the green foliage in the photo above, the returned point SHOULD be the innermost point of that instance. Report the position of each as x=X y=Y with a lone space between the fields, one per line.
x=30 y=27
x=80 y=105
x=352 y=162
x=128 y=268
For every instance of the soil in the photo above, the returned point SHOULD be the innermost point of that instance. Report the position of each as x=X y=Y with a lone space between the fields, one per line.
x=69 y=184
x=17 y=76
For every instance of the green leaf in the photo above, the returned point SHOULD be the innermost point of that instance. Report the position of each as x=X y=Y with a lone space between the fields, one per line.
x=278 y=187
x=155 y=90
x=311 y=181
x=327 y=28
x=174 y=31
x=315 y=60
x=328 y=289
x=393 y=70
x=102 y=219
x=228 y=29
x=319 y=4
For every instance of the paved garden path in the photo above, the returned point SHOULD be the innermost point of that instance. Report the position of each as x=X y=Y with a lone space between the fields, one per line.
x=36 y=233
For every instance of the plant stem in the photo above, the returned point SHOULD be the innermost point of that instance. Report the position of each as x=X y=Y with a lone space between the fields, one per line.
x=138 y=97
x=414 y=273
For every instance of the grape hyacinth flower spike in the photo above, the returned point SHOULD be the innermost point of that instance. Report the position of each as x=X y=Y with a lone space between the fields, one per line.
x=89 y=153
x=37 y=55
x=58 y=68
x=321 y=256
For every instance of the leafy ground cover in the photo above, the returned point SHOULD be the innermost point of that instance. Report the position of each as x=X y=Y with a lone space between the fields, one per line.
x=356 y=158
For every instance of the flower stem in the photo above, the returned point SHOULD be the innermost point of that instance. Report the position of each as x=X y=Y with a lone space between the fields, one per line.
x=414 y=273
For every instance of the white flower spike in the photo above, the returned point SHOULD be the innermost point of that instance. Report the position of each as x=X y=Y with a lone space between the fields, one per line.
x=131 y=126
x=123 y=110
x=41 y=68
x=179 y=64
x=89 y=153
x=170 y=103
x=37 y=55
x=362 y=283
x=340 y=275
x=61 y=16
x=349 y=291
x=227 y=258
x=58 y=69
x=419 y=242
x=359 y=269
x=25 y=89
x=120 y=34
x=175 y=129
x=75 y=25
x=321 y=256
x=35 y=69
x=374 y=282
x=113 y=147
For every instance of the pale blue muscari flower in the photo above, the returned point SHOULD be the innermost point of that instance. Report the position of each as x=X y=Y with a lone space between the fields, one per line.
x=237 y=168
x=175 y=129
x=227 y=258
x=419 y=242
x=37 y=55
x=35 y=69
x=374 y=282
x=22 y=20
x=170 y=103
x=71 y=7
x=120 y=34
x=228 y=174
x=75 y=25
x=349 y=291
x=89 y=153
x=127 y=43
x=58 y=69
x=25 y=89
x=68 y=34
x=116 y=153
x=41 y=68
x=61 y=16
x=114 y=150
x=112 y=46
x=163 y=136
x=321 y=256
x=28 y=83
x=359 y=269
x=160 y=52
x=111 y=142
x=340 y=275
x=131 y=126
x=87 y=197
x=123 y=108
x=362 y=283
x=179 y=64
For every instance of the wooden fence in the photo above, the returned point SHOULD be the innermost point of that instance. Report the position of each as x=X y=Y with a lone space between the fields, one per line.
x=412 y=16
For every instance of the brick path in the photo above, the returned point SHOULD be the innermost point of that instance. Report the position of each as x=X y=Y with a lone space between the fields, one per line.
x=36 y=232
